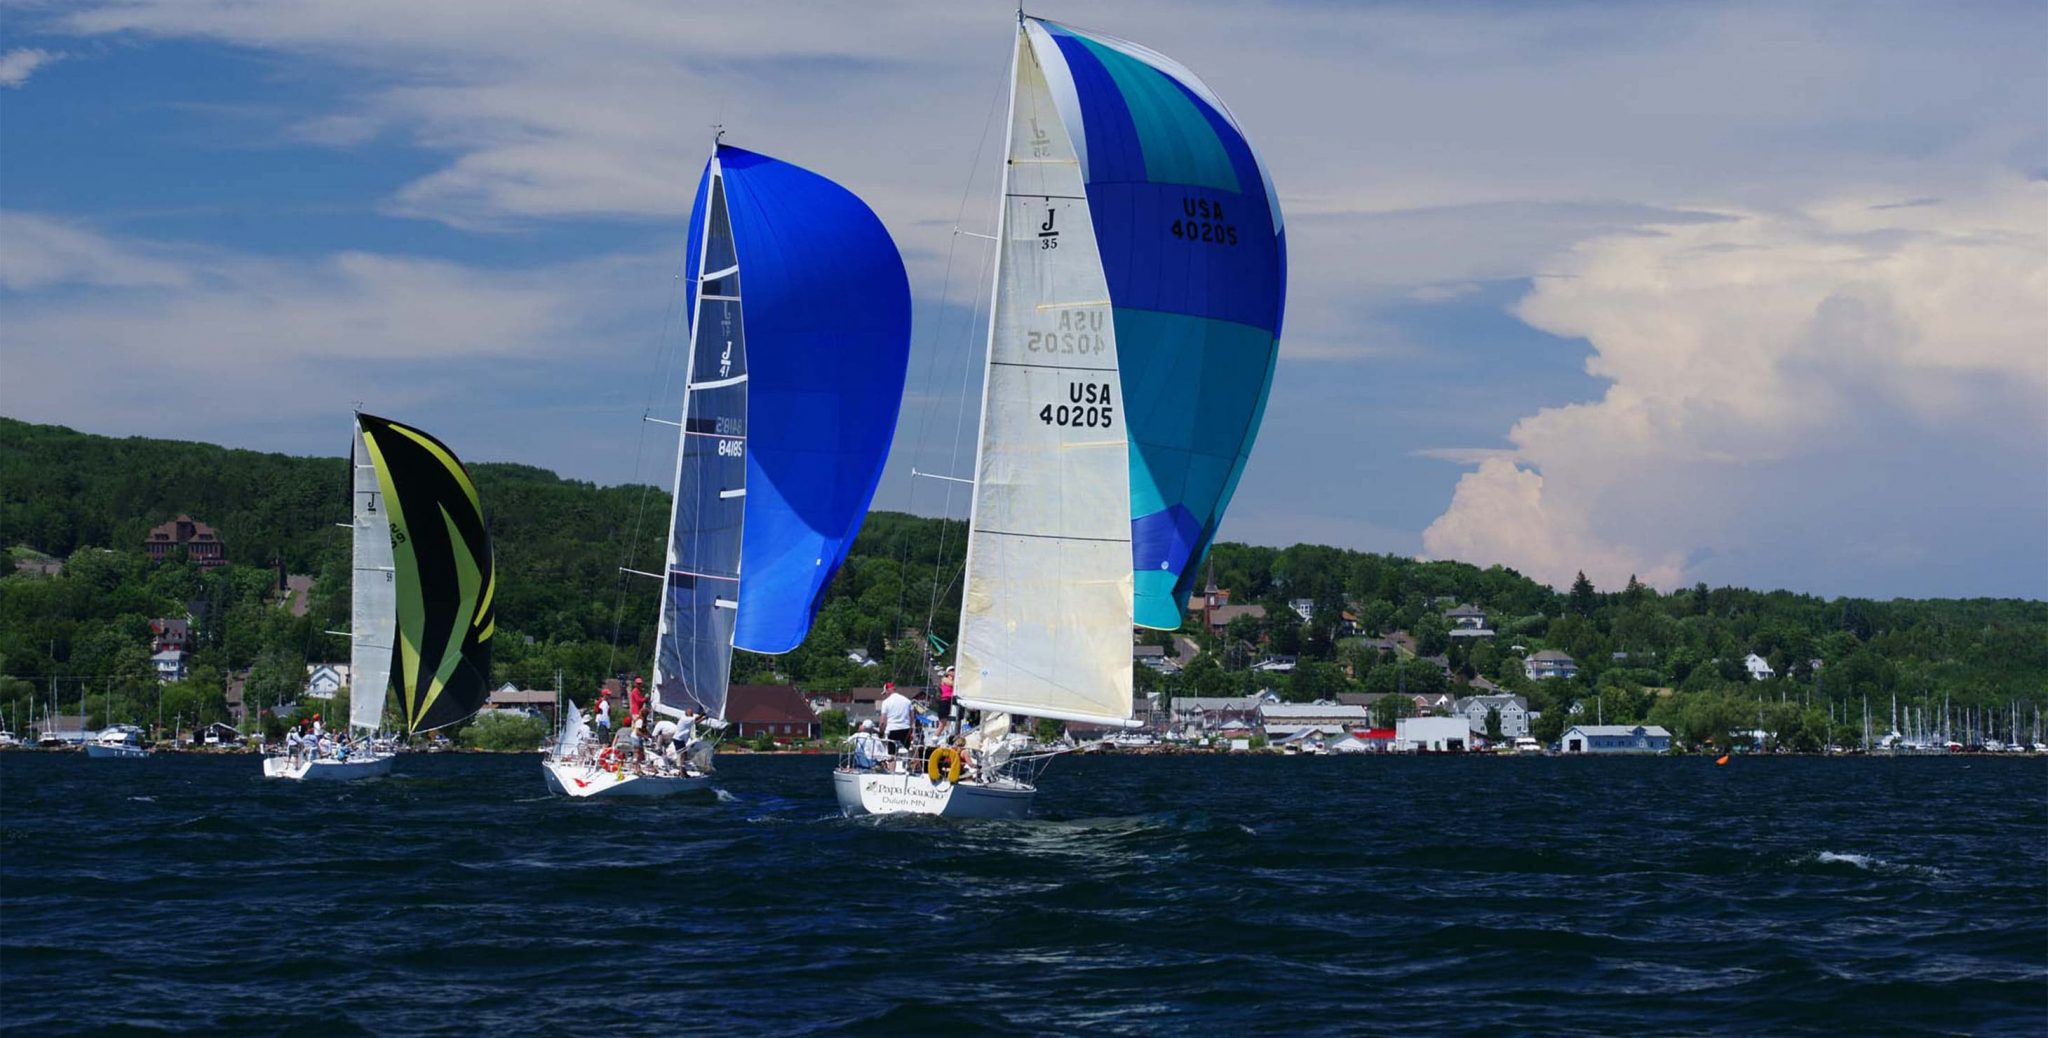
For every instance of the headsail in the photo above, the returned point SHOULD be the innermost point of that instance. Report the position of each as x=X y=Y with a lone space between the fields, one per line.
x=1194 y=252
x=795 y=383
x=445 y=579
x=1136 y=323
x=373 y=592
x=1045 y=622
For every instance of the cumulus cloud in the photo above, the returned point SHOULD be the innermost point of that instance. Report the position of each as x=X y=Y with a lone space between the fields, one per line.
x=1826 y=396
x=18 y=64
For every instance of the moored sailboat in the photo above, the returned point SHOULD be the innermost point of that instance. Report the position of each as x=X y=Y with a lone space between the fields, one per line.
x=1140 y=270
x=421 y=610
x=799 y=341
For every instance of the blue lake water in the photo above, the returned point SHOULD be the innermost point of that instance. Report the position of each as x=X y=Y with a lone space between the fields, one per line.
x=1149 y=895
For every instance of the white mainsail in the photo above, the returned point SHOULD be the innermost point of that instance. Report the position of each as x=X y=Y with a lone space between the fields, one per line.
x=701 y=584
x=1045 y=625
x=373 y=594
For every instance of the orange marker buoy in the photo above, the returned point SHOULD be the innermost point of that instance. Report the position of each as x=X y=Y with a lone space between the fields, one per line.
x=1723 y=759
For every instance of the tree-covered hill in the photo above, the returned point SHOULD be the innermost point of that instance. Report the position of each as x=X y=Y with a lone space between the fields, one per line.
x=564 y=606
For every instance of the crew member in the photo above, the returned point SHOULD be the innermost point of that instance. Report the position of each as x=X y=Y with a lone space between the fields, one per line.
x=899 y=717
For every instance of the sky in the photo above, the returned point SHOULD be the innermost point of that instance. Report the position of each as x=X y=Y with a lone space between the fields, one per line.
x=1750 y=294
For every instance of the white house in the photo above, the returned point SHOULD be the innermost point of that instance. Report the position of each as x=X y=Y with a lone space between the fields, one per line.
x=1274 y=665
x=860 y=658
x=1550 y=663
x=1514 y=713
x=169 y=664
x=1758 y=667
x=1468 y=621
x=323 y=680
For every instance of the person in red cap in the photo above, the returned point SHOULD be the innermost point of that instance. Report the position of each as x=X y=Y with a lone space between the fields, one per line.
x=604 y=716
x=637 y=701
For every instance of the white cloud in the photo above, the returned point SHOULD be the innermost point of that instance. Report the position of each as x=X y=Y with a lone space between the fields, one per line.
x=38 y=252
x=249 y=349
x=1788 y=390
x=18 y=64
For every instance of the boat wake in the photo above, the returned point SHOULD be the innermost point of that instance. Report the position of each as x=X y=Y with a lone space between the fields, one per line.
x=1872 y=863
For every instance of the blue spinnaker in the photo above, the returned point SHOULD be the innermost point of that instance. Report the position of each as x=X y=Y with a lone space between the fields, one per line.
x=828 y=345
x=1193 y=249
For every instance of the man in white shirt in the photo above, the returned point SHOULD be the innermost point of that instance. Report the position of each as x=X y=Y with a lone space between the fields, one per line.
x=899 y=717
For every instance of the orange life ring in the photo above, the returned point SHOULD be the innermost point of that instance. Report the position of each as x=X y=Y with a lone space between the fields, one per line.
x=608 y=759
x=951 y=767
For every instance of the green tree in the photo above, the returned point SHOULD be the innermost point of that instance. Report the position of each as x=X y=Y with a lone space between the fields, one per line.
x=1388 y=709
x=1583 y=598
x=832 y=725
x=504 y=731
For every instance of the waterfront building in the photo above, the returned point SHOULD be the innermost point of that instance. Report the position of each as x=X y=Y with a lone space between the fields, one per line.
x=1615 y=738
x=1282 y=721
x=197 y=539
x=1550 y=663
x=779 y=711
x=533 y=702
x=1514 y=713
x=1432 y=735
x=1203 y=715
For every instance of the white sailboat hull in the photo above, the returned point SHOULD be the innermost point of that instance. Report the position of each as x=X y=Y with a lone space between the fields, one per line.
x=571 y=779
x=99 y=752
x=327 y=770
x=873 y=793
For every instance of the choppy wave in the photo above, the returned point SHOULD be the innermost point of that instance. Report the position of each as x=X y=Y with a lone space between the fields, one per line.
x=1146 y=896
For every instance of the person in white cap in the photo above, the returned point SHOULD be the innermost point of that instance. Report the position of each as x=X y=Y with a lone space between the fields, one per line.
x=868 y=748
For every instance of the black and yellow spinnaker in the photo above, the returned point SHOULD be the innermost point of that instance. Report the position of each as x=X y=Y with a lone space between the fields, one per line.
x=445 y=579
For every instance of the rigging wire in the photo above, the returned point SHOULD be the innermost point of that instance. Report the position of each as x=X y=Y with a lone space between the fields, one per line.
x=938 y=340
x=657 y=390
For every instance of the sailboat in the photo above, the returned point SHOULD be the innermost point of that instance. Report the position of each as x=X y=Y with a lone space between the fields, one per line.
x=799 y=343
x=1138 y=287
x=421 y=610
